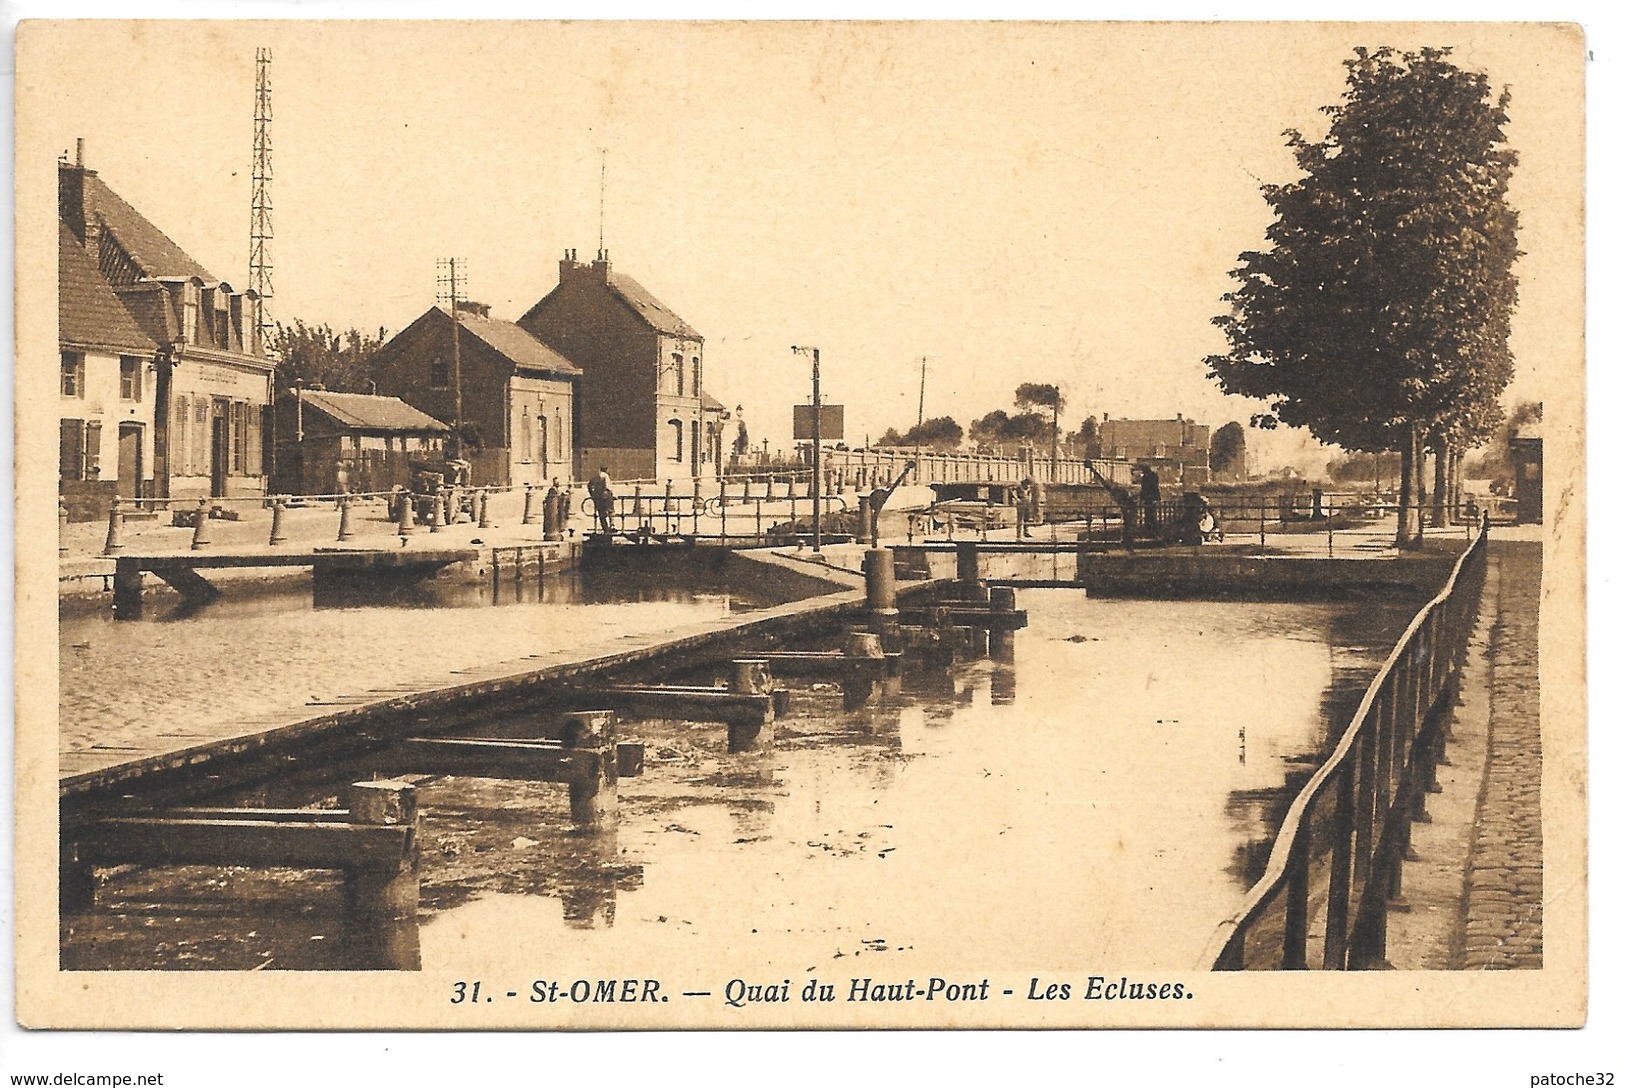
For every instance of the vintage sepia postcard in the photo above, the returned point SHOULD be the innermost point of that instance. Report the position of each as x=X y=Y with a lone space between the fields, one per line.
x=800 y=525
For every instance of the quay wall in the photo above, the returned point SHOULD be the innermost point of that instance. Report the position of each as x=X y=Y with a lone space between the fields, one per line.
x=1209 y=573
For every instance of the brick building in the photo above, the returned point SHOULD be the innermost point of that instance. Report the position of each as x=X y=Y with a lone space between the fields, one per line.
x=644 y=411
x=1176 y=448
x=165 y=386
x=518 y=394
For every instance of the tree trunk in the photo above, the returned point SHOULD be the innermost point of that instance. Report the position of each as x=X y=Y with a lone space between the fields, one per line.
x=1410 y=520
x=1441 y=483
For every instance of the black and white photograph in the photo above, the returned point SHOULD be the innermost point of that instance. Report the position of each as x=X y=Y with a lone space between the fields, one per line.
x=698 y=525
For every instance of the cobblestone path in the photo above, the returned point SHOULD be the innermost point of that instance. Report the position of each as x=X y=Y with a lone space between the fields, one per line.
x=1503 y=927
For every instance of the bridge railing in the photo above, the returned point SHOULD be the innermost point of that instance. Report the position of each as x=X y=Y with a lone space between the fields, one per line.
x=1338 y=859
x=747 y=506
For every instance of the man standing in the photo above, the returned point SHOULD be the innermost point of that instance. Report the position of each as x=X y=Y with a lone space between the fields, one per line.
x=603 y=500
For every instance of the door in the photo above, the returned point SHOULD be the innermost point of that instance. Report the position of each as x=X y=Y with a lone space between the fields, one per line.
x=219 y=449
x=130 y=466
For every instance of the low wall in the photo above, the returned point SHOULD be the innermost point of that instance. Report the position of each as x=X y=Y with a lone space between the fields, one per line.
x=1212 y=574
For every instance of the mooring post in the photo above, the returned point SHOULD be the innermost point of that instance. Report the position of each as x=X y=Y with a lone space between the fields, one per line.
x=530 y=508
x=407 y=526
x=346 y=519
x=200 y=534
x=593 y=791
x=436 y=513
x=485 y=512
x=880 y=581
x=115 y=529
x=750 y=676
x=388 y=890
x=279 y=534
x=61 y=526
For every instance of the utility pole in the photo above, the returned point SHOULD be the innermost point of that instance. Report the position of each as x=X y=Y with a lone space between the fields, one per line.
x=817 y=452
x=921 y=424
x=453 y=281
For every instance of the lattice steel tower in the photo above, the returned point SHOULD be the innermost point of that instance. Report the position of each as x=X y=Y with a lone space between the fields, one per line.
x=259 y=227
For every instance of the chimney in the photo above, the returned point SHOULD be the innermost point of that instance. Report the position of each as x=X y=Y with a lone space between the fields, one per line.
x=601 y=265
x=567 y=265
x=79 y=153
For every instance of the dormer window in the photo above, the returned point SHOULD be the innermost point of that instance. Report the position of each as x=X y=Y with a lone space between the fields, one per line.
x=439 y=374
x=189 y=307
x=222 y=320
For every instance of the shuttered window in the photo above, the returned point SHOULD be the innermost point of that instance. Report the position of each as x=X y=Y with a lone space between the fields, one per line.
x=72 y=464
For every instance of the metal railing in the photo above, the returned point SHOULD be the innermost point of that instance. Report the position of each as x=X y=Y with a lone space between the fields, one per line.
x=1341 y=849
x=739 y=507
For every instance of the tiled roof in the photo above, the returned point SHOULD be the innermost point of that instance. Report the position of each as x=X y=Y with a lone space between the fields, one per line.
x=370 y=413
x=710 y=403
x=88 y=312
x=153 y=250
x=657 y=314
x=516 y=345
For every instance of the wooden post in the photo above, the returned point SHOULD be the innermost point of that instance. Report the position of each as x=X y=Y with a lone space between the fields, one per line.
x=387 y=891
x=594 y=792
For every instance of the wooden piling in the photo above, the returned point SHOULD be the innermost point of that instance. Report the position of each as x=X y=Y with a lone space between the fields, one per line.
x=594 y=793
x=389 y=891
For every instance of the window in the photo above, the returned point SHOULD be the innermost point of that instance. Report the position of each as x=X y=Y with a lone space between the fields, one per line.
x=696 y=375
x=558 y=434
x=237 y=421
x=222 y=329
x=525 y=445
x=189 y=313
x=81 y=450
x=129 y=378
x=439 y=374
x=541 y=444
x=676 y=426
x=73 y=374
x=677 y=369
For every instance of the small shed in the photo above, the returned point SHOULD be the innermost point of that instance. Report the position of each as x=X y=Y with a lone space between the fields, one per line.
x=329 y=442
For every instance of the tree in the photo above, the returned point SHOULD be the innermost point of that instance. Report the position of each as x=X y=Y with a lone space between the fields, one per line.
x=1228 y=454
x=316 y=355
x=1031 y=395
x=938 y=433
x=1378 y=316
x=1085 y=441
x=1361 y=468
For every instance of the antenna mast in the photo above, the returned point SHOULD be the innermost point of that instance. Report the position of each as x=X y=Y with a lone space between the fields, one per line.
x=451 y=281
x=259 y=223
x=603 y=171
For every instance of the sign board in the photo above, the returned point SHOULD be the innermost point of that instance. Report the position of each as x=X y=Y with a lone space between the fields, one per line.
x=832 y=425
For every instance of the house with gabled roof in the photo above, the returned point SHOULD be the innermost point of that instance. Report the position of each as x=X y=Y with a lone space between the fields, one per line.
x=329 y=442
x=163 y=372
x=518 y=396
x=644 y=413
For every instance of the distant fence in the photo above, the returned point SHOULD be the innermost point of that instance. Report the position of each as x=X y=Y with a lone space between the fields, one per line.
x=1341 y=849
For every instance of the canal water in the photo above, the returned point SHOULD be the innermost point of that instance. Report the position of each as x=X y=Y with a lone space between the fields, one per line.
x=1099 y=796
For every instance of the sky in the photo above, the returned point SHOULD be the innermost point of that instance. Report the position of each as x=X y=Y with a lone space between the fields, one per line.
x=1014 y=202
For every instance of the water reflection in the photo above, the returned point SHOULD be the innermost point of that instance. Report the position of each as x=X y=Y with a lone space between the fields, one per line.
x=1119 y=800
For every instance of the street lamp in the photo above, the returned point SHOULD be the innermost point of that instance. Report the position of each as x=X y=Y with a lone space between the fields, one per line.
x=817 y=458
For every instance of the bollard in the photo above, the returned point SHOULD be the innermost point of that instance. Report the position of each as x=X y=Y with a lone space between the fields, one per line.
x=485 y=513
x=770 y=487
x=1002 y=598
x=863 y=644
x=530 y=508
x=666 y=506
x=554 y=505
x=968 y=561
x=593 y=789
x=435 y=513
x=385 y=892
x=637 y=504
x=61 y=526
x=346 y=525
x=750 y=676
x=200 y=535
x=279 y=534
x=407 y=524
x=454 y=509
x=115 y=529
x=880 y=581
